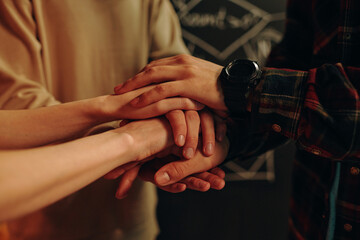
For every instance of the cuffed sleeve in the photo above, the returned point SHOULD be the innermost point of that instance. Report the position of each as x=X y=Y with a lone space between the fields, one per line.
x=319 y=109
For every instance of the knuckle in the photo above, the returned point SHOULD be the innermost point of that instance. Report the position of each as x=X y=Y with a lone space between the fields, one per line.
x=183 y=58
x=160 y=89
x=159 y=107
x=192 y=116
x=191 y=70
x=178 y=171
x=149 y=70
x=151 y=63
x=187 y=103
x=193 y=181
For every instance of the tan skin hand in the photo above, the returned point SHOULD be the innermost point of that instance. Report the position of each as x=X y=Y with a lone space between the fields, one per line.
x=175 y=171
x=182 y=75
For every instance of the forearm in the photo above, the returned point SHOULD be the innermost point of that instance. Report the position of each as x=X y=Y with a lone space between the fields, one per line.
x=31 y=179
x=36 y=127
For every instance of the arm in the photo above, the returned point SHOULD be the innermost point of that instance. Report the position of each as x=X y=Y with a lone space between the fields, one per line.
x=30 y=128
x=318 y=108
x=31 y=179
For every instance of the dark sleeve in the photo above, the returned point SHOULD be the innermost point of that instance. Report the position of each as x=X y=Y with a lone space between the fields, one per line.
x=319 y=109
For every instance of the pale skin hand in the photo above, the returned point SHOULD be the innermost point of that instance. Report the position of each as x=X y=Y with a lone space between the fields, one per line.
x=36 y=127
x=188 y=126
x=34 y=178
x=181 y=75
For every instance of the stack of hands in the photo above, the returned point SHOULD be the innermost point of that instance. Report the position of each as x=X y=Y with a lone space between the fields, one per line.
x=184 y=95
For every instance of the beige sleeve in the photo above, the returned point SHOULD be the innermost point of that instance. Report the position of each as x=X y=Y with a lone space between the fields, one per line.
x=22 y=81
x=165 y=31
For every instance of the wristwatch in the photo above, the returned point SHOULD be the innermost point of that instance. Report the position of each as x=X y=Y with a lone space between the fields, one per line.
x=237 y=79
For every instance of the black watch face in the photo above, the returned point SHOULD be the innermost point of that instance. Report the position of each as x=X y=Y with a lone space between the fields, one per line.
x=243 y=68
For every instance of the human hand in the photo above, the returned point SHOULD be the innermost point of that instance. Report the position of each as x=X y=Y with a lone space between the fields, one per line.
x=147 y=137
x=213 y=178
x=203 y=181
x=184 y=173
x=186 y=126
x=117 y=107
x=177 y=170
x=182 y=75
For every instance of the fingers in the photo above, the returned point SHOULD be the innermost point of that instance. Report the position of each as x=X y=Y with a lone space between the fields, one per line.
x=218 y=172
x=126 y=182
x=175 y=171
x=161 y=107
x=156 y=74
x=166 y=105
x=174 y=188
x=220 y=130
x=198 y=182
x=208 y=132
x=117 y=172
x=193 y=123
x=161 y=91
x=178 y=125
x=195 y=183
x=214 y=181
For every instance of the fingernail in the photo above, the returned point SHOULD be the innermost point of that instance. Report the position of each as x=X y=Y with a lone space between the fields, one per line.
x=220 y=136
x=209 y=149
x=162 y=178
x=135 y=101
x=188 y=153
x=180 y=187
x=181 y=140
x=218 y=183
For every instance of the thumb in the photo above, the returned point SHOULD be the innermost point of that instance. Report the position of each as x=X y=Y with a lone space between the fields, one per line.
x=174 y=172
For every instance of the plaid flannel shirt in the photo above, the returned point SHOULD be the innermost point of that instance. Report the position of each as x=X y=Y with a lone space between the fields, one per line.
x=310 y=93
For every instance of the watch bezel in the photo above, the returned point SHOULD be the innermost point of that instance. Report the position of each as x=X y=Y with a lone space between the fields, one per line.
x=254 y=68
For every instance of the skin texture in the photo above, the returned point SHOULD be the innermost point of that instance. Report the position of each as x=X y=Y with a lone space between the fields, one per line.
x=33 y=178
x=65 y=121
x=173 y=173
x=190 y=77
x=182 y=75
x=36 y=177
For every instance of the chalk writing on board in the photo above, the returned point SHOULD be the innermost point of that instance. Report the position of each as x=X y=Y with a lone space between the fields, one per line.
x=224 y=28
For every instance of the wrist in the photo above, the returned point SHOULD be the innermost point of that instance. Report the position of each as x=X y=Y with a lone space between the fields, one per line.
x=100 y=109
x=238 y=79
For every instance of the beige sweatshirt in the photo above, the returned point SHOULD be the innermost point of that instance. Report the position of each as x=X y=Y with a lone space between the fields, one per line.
x=64 y=50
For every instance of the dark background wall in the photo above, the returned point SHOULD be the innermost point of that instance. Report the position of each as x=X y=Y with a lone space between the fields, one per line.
x=254 y=203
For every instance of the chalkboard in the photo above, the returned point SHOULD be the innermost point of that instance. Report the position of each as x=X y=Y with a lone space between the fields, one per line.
x=222 y=30
x=254 y=204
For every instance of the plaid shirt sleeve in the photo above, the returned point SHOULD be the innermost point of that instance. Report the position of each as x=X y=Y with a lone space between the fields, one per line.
x=319 y=108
